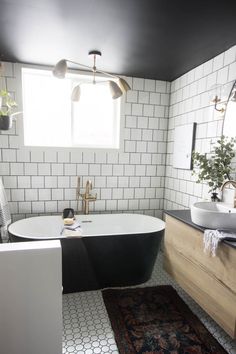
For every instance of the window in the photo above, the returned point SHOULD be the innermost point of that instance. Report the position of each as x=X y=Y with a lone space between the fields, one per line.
x=51 y=119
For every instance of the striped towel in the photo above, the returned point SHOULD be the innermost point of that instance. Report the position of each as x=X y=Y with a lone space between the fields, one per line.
x=5 y=216
x=212 y=238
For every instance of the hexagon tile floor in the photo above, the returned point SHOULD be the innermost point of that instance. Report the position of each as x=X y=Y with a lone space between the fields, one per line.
x=87 y=328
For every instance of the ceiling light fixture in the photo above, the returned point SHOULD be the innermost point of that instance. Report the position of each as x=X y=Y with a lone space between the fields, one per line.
x=117 y=85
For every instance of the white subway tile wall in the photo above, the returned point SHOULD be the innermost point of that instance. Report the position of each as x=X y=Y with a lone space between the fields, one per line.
x=44 y=180
x=140 y=178
x=189 y=102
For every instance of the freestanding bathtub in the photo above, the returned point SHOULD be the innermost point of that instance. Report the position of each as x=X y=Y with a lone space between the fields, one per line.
x=114 y=250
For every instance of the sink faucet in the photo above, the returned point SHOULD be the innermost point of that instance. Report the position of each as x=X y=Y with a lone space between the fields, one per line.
x=225 y=184
x=86 y=197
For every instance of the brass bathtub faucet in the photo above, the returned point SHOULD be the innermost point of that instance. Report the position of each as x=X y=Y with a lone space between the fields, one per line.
x=86 y=197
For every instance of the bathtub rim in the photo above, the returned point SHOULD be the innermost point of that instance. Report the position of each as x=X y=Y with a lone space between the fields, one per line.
x=160 y=226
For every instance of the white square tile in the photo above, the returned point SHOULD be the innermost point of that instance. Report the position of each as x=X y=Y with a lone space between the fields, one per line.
x=122 y=204
x=9 y=155
x=63 y=156
x=50 y=156
x=4 y=141
x=18 y=195
x=112 y=182
x=118 y=170
x=50 y=206
x=69 y=169
x=95 y=169
x=232 y=72
x=161 y=86
x=24 y=182
x=123 y=182
x=24 y=207
x=132 y=96
x=149 y=85
x=63 y=181
x=137 y=109
x=112 y=157
x=50 y=182
x=36 y=156
x=131 y=122
x=31 y=194
x=143 y=97
x=230 y=56
x=82 y=169
x=138 y=84
x=106 y=170
x=23 y=156
x=31 y=168
x=155 y=98
x=148 y=110
x=106 y=193
x=44 y=169
x=44 y=194
x=16 y=168
x=142 y=122
x=218 y=62
x=57 y=194
x=37 y=182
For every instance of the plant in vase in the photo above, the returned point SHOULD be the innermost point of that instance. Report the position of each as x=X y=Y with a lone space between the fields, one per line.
x=215 y=168
x=7 y=106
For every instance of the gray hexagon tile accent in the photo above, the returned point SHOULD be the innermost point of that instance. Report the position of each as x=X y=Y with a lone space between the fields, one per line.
x=86 y=325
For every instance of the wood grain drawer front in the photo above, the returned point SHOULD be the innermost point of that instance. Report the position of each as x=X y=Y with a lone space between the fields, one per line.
x=211 y=281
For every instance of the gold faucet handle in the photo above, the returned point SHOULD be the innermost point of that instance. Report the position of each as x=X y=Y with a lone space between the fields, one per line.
x=92 y=197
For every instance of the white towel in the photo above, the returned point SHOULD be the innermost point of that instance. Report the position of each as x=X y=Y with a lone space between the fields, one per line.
x=212 y=238
x=5 y=216
x=72 y=230
x=72 y=233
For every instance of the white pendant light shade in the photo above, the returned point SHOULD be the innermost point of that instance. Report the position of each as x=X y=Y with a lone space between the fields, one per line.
x=60 y=69
x=115 y=90
x=75 y=96
x=124 y=86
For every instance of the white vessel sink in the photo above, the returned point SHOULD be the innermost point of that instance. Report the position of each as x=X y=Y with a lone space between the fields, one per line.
x=213 y=215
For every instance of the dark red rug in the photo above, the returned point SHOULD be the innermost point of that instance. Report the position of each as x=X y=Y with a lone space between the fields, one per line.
x=156 y=320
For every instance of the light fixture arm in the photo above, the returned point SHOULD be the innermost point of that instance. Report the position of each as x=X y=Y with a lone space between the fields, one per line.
x=117 y=89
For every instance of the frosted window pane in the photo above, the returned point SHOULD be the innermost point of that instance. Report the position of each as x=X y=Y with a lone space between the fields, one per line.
x=46 y=109
x=95 y=117
x=51 y=119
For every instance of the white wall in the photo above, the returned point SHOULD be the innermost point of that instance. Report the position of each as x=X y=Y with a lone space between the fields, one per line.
x=189 y=102
x=133 y=180
x=30 y=298
x=44 y=181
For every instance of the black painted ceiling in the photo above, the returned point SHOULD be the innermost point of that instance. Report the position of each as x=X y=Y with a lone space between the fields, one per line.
x=159 y=39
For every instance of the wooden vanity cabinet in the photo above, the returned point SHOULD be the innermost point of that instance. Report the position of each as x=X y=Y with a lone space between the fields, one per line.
x=210 y=281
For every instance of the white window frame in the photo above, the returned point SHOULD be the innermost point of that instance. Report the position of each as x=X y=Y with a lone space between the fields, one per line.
x=20 y=125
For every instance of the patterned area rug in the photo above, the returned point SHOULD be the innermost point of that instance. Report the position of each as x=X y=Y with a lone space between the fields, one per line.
x=155 y=320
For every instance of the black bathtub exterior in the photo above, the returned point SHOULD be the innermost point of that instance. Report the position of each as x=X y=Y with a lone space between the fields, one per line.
x=98 y=262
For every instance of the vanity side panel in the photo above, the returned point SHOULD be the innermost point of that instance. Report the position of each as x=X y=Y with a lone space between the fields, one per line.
x=210 y=281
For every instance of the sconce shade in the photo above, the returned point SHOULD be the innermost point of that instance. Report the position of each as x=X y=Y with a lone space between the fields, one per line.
x=75 y=96
x=60 y=69
x=115 y=90
x=124 y=86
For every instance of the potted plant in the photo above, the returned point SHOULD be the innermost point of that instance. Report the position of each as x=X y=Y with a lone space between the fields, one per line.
x=215 y=168
x=7 y=106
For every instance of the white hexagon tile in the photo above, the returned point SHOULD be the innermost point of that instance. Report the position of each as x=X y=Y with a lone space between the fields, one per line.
x=86 y=325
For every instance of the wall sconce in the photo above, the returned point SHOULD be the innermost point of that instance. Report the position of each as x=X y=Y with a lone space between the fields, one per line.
x=216 y=97
x=117 y=85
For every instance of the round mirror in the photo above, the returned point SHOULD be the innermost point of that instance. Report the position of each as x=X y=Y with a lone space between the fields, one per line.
x=229 y=124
